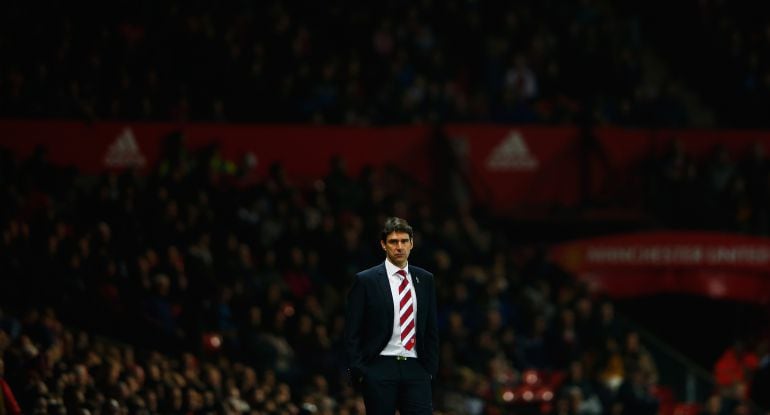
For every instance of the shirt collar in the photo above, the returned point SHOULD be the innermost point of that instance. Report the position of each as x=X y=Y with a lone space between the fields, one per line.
x=391 y=268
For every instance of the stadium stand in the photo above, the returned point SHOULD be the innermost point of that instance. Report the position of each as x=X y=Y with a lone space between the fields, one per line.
x=200 y=288
x=189 y=291
x=276 y=61
x=726 y=59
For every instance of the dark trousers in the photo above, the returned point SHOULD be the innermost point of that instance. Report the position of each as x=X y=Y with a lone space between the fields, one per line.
x=391 y=383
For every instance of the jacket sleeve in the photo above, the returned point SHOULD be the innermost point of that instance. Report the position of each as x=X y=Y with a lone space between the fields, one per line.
x=354 y=311
x=431 y=331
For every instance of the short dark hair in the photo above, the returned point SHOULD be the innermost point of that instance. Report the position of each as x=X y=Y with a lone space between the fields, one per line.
x=394 y=224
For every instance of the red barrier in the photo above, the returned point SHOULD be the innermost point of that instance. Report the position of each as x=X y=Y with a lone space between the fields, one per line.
x=711 y=264
x=304 y=151
x=510 y=168
x=515 y=167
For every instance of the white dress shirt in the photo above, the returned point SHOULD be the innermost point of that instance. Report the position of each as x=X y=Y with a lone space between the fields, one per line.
x=395 y=347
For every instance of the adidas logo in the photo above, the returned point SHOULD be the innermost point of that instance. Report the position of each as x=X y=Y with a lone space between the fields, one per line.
x=512 y=154
x=124 y=151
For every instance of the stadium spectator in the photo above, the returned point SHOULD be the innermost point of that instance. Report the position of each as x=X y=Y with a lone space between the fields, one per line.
x=755 y=170
x=577 y=381
x=735 y=365
x=635 y=395
x=761 y=377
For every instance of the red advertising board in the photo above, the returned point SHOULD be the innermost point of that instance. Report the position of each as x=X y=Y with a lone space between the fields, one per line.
x=510 y=169
x=713 y=264
x=305 y=152
x=520 y=167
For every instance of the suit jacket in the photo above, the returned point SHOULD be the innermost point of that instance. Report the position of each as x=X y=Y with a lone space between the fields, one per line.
x=369 y=318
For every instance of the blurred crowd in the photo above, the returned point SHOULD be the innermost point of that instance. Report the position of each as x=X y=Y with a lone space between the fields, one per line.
x=336 y=62
x=201 y=289
x=61 y=371
x=723 y=54
x=721 y=191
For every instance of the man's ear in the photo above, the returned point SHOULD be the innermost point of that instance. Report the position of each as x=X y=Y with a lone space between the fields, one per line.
x=382 y=244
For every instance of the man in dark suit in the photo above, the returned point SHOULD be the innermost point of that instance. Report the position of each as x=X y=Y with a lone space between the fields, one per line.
x=391 y=334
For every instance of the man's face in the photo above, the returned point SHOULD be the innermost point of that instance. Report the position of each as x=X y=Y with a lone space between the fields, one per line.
x=397 y=246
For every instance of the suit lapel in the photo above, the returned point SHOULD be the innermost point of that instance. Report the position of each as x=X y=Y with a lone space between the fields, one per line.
x=419 y=292
x=383 y=282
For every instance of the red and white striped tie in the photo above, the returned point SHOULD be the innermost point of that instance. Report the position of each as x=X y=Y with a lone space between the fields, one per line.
x=406 y=312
